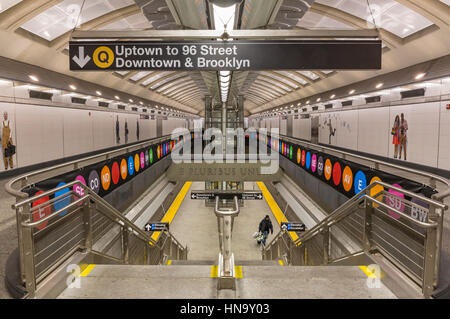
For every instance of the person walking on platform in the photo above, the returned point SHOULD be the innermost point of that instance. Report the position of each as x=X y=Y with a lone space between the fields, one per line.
x=117 y=130
x=6 y=141
x=264 y=226
x=403 y=138
x=126 y=132
x=396 y=135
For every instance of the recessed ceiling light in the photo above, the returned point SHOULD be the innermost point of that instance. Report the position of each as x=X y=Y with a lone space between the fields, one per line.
x=379 y=85
x=351 y=92
x=333 y=96
x=307 y=102
x=98 y=93
x=73 y=87
x=34 y=78
x=420 y=76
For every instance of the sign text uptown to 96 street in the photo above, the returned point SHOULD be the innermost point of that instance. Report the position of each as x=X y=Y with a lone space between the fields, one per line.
x=228 y=55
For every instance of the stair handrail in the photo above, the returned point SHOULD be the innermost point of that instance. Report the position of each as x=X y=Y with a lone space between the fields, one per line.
x=433 y=229
x=90 y=195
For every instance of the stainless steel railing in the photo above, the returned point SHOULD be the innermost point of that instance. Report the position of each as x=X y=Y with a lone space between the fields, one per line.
x=373 y=220
x=225 y=222
x=50 y=236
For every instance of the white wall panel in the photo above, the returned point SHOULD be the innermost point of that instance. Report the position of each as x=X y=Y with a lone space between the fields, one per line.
x=423 y=123
x=374 y=131
x=283 y=127
x=347 y=129
x=444 y=137
x=78 y=137
x=39 y=134
x=103 y=128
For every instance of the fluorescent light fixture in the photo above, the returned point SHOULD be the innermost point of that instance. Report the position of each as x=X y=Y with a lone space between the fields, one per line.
x=224 y=17
x=141 y=103
x=379 y=85
x=307 y=102
x=73 y=87
x=131 y=100
x=351 y=92
x=98 y=93
x=319 y=99
x=420 y=76
x=117 y=97
x=333 y=96
x=33 y=78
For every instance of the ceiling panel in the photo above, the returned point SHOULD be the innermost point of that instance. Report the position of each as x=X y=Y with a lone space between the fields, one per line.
x=155 y=77
x=64 y=16
x=6 y=4
x=134 y=22
x=389 y=15
x=140 y=75
x=316 y=21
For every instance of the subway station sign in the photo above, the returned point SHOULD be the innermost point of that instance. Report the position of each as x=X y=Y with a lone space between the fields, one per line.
x=230 y=55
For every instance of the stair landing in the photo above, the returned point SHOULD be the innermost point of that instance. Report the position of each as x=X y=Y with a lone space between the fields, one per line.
x=197 y=282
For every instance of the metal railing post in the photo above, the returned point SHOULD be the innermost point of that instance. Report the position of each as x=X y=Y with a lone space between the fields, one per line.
x=367 y=233
x=429 y=262
x=87 y=220
x=440 y=213
x=125 y=245
x=226 y=271
x=28 y=252
x=326 y=245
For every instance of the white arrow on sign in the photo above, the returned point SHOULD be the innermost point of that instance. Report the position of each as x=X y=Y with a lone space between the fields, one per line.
x=81 y=59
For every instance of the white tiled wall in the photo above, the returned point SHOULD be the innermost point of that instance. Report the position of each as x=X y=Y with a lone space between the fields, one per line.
x=301 y=128
x=423 y=123
x=444 y=136
x=374 y=131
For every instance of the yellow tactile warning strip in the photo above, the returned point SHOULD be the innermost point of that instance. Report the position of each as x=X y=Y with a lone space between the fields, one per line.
x=281 y=262
x=274 y=208
x=169 y=262
x=173 y=209
x=237 y=271
x=371 y=274
x=87 y=270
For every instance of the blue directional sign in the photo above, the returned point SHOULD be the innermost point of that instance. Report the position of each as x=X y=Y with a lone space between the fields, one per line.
x=293 y=226
x=156 y=227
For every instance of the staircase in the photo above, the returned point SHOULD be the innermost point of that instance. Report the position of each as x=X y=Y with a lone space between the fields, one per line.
x=260 y=280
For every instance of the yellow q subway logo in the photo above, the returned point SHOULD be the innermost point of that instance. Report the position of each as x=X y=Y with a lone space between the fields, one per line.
x=103 y=57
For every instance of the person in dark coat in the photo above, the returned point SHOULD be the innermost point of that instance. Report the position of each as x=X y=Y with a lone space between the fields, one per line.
x=264 y=226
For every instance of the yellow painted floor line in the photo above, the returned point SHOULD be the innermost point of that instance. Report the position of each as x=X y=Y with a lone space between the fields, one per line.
x=214 y=271
x=173 y=209
x=281 y=262
x=169 y=262
x=276 y=211
x=237 y=271
x=369 y=273
x=87 y=270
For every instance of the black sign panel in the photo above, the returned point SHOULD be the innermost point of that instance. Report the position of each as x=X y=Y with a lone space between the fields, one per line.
x=231 y=55
x=156 y=227
x=203 y=195
x=293 y=226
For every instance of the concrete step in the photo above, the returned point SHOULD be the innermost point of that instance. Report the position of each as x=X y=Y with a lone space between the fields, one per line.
x=196 y=281
x=237 y=262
